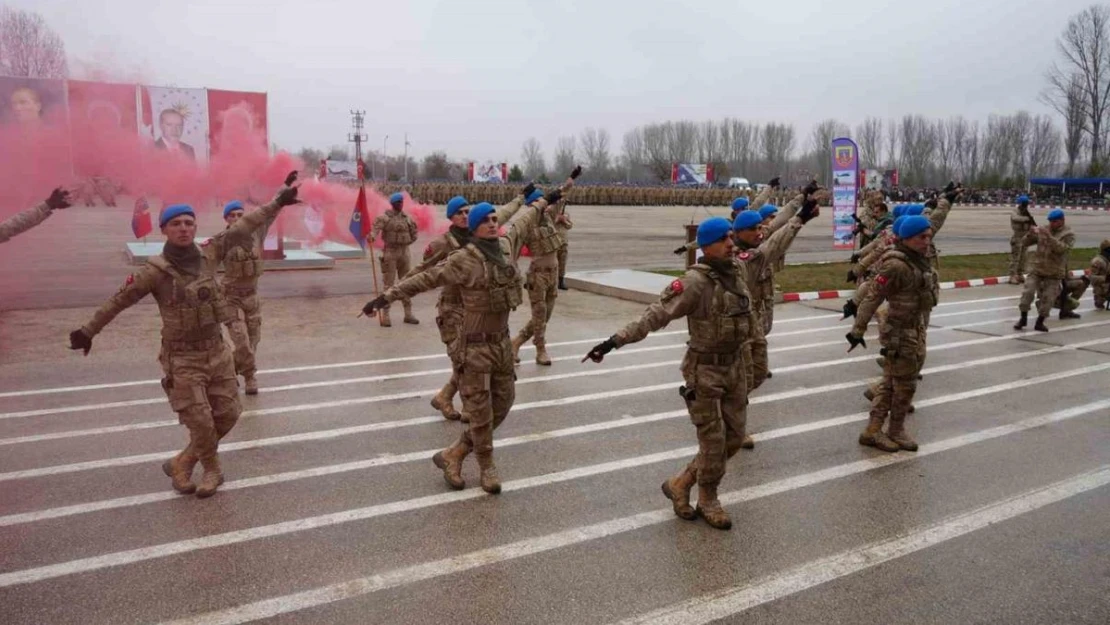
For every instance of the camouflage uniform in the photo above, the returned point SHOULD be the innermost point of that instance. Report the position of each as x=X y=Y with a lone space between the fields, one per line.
x=24 y=221
x=198 y=364
x=909 y=284
x=1020 y=221
x=543 y=277
x=1099 y=273
x=243 y=266
x=486 y=378
x=718 y=309
x=399 y=232
x=1049 y=267
x=1072 y=289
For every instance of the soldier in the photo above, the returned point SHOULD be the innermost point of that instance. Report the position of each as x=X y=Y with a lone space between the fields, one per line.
x=1020 y=221
x=1072 y=289
x=563 y=224
x=243 y=266
x=543 y=274
x=908 y=282
x=1099 y=273
x=1050 y=266
x=198 y=364
x=24 y=221
x=714 y=298
x=488 y=278
x=399 y=231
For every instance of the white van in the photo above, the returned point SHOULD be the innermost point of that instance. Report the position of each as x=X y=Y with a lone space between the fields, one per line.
x=739 y=183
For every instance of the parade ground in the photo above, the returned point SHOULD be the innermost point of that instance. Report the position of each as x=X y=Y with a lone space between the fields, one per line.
x=333 y=512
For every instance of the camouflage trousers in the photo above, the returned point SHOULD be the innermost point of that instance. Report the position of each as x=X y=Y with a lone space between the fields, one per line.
x=1046 y=290
x=245 y=329
x=487 y=383
x=395 y=265
x=902 y=349
x=1071 y=291
x=562 y=256
x=754 y=350
x=542 y=291
x=1102 y=293
x=718 y=409
x=448 y=321
x=1017 y=256
x=203 y=391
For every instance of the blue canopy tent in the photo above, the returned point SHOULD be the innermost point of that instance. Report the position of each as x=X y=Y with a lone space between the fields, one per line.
x=1064 y=183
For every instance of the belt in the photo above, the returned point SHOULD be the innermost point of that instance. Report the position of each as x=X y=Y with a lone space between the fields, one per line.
x=486 y=337
x=243 y=291
x=191 y=346
x=722 y=360
x=548 y=269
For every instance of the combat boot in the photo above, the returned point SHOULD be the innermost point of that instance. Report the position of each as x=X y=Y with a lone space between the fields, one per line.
x=445 y=407
x=490 y=480
x=180 y=470
x=250 y=384
x=563 y=284
x=769 y=375
x=1014 y=280
x=517 y=342
x=1022 y=321
x=873 y=436
x=450 y=462
x=747 y=442
x=677 y=489
x=386 y=323
x=1040 y=326
x=709 y=508
x=1068 y=314
x=869 y=393
x=409 y=318
x=541 y=354
x=897 y=434
x=211 y=479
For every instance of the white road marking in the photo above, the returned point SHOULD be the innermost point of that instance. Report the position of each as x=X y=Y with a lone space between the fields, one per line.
x=531 y=546
x=729 y=601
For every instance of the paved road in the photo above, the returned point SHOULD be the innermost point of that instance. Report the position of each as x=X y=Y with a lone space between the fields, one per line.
x=76 y=258
x=333 y=512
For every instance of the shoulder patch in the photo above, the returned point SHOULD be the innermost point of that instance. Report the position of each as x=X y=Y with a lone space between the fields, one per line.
x=428 y=251
x=744 y=255
x=676 y=287
x=881 y=280
x=206 y=243
x=130 y=280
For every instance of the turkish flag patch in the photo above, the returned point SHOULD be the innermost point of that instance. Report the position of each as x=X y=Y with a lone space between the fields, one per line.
x=428 y=251
x=881 y=281
x=676 y=287
x=130 y=280
x=744 y=255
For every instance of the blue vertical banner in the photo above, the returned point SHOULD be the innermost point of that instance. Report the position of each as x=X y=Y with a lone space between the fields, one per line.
x=845 y=174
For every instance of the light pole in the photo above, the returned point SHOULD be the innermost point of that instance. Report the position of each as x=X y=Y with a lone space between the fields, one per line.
x=407 y=144
x=385 y=160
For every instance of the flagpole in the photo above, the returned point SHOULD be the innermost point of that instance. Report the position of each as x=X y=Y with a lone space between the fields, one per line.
x=373 y=264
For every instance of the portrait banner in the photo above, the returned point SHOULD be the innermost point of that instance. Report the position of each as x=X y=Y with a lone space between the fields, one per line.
x=243 y=113
x=177 y=121
x=101 y=115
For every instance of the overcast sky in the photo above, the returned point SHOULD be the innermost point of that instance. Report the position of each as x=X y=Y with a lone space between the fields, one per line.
x=475 y=78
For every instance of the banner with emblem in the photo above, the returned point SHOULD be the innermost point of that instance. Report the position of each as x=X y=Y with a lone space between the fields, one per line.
x=845 y=174
x=177 y=120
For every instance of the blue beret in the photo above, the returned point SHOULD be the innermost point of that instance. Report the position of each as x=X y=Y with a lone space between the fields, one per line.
x=533 y=196
x=234 y=205
x=1023 y=199
x=913 y=225
x=170 y=212
x=896 y=224
x=712 y=230
x=739 y=204
x=454 y=204
x=477 y=214
x=915 y=209
x=768 y=210
x=899 y=210
x=396 y=197
x=746 y=220
x=1055 y=214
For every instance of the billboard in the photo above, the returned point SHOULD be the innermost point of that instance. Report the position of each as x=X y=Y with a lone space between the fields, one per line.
x=100 y=115
x=489 y=172
x=845 y=170
x=341 y=170
x=879 y=179
x=691 y=173
x=238 y=115
x=177 y=120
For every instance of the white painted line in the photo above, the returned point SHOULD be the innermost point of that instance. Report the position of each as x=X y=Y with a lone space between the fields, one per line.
x=730 y=601
x=530 y=546
x=365 y=363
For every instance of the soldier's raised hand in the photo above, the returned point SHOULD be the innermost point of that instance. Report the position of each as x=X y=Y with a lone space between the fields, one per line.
x=811 y=188
x=287 y=196
x=774 y=183
x=553 y=196
x=528 y=189
x=59 y=198
x=79 y=340
x=597 y=354
x=291 y=178
x=576 y=172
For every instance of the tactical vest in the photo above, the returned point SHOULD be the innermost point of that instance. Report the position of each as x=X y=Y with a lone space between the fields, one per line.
x=450 y=294
x=764 y=286
x=544 y=238
x=502 y=291
x=726 y=325
x=396 y=231
x=195 y=310
x=907 y=306
x=242 y=263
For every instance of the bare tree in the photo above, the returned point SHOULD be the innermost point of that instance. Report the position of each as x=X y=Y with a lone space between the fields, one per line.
x=945 y=132
x=311 y=158
x=709 y=143
x=657 y=151
x=1073 y=109
x=595 y=145
x=870 y=136
x=565 y=155
x=29 y=47
x=682 y=141
x=820 y=144
x=1085 y=47
x=632 y=153
x=918 y=148
x=1043 y=147
x=777 y=146
x=745 y=146
x=531 y=155
x=892 y=143
x=436 y=166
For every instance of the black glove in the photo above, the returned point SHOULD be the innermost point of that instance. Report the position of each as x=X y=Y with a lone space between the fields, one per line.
x=597 y=354
x=526 y=191
x=1086 y=281
x=811 y=188
x=852 y=277
x=287 y=196
x=850 y=309
x=809 y=211
x=854 y=259
x=553 y=196
x=856 y=218
x=855 y=342
x=774 y=183
x=931 y=204
x=79 y=340
x=952 y=191
x=576 y=172
x=680 y=250
x=374 y=305
x=291 y=178
x=59 y=198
